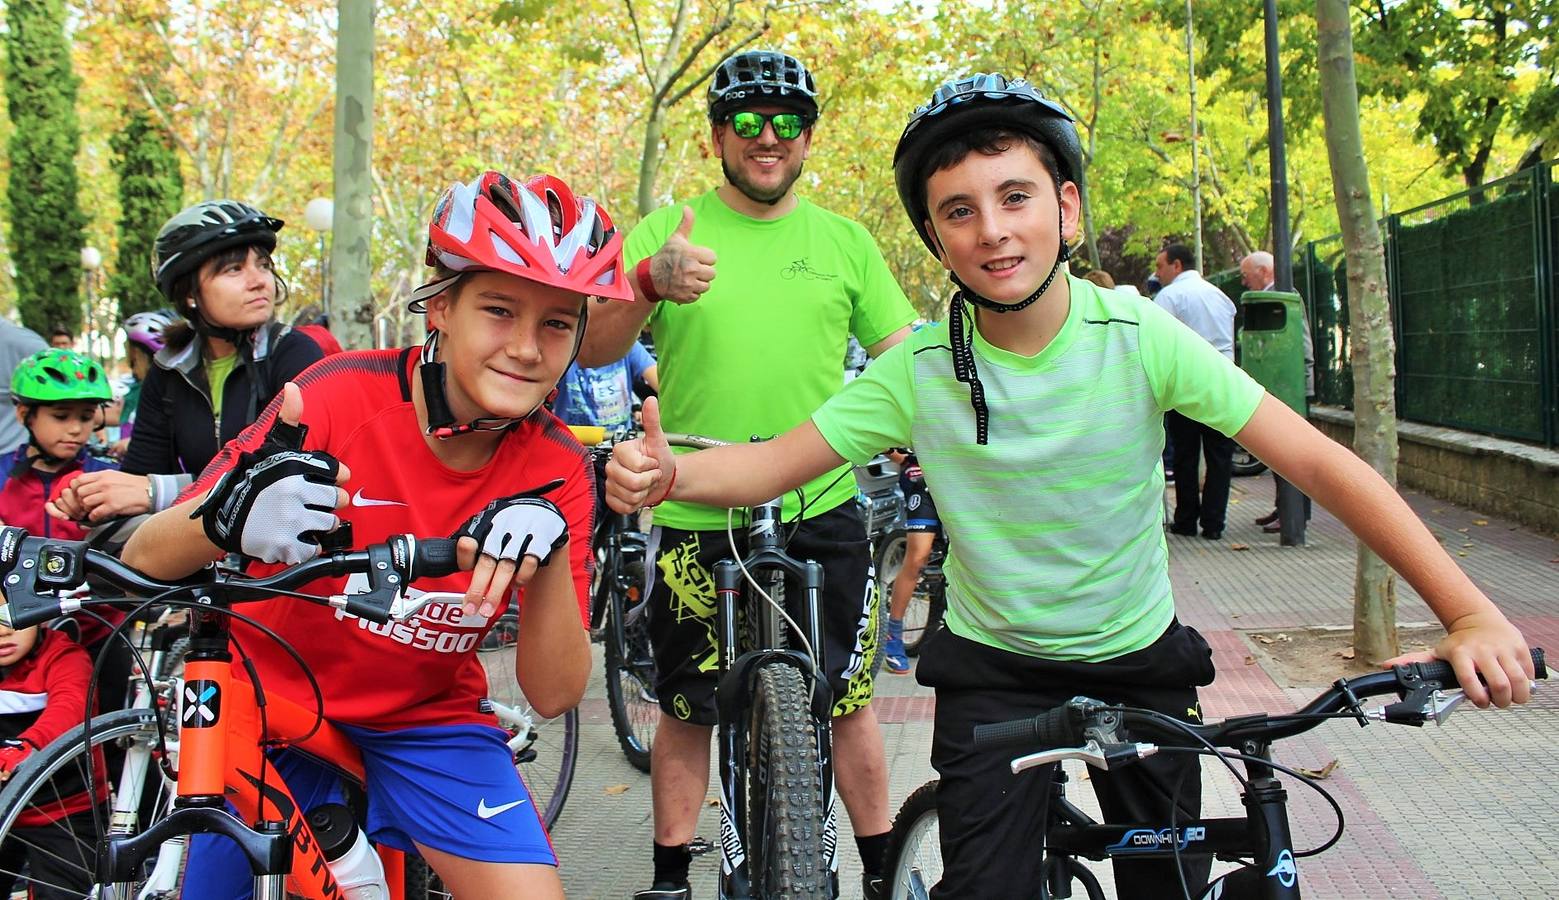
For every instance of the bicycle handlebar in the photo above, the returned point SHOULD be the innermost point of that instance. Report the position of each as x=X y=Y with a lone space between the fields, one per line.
x=1083 y=719
x=34 y=570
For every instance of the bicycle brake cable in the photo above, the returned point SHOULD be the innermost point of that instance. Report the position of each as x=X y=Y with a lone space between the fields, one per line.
x=730 y=536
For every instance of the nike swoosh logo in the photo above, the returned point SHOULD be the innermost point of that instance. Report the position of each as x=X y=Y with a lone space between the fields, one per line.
x=359 y=500
x=487 y=812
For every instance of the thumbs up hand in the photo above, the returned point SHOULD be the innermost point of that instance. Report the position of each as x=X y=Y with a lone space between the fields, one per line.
x=681 y=269
x=642 y=468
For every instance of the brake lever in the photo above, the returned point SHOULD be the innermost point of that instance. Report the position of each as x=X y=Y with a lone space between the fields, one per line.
x=1421 y=705
x=1100 y=756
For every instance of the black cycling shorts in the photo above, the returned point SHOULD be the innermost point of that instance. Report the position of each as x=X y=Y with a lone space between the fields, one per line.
x=919 y=508
x=682 y=611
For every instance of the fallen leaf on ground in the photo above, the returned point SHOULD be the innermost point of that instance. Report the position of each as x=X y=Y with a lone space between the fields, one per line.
x=1480 y=521
x=1250 y=660
x=1239 y=546
x=616 y=789
x=1237 y=615
x=1346 y=653
x=712 y=801
x=1437 y=510
x=1464 y=530
x=1461 y=553
x=1320 y=774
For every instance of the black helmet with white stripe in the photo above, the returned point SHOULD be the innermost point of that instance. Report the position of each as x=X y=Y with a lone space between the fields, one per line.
x=200 y=232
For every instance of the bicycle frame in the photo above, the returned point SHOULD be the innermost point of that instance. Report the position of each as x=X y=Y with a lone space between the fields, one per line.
x=1072 y=833
x=738 y=670
x=221 y=757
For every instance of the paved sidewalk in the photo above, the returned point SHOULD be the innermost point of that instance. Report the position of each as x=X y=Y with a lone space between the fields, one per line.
x=1436 y=812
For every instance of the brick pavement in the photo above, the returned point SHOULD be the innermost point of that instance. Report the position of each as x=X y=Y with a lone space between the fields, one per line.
x=1420 y=804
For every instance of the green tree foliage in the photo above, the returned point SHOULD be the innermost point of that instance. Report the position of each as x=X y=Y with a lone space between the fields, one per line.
x=1477 y=71
x=151 y=189
x=46 y=222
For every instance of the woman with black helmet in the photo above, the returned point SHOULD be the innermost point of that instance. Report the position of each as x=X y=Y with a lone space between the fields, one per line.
x=220 y=367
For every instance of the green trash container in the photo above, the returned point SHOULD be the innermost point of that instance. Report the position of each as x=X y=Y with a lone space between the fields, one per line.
x=1272 y=344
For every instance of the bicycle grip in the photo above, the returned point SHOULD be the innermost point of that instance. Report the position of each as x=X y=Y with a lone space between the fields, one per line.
x=1441 y=671
x=1051 y=728
x=435 y=558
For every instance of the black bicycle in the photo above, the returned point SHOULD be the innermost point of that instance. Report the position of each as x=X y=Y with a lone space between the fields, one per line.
x=618 y=616
x=773 y=702
x=1106 y=736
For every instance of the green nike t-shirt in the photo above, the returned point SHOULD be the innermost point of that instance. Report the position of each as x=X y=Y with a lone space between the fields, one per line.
x=764 y=347
x=1055 y=527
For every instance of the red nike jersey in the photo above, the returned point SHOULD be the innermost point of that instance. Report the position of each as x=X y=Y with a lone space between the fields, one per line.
x=358 y=408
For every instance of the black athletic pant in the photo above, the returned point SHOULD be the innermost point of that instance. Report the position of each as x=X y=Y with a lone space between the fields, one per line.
x=1194 y=502
x=992 y=821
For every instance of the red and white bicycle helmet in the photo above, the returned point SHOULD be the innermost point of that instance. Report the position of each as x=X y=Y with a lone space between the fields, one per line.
x=536 y=229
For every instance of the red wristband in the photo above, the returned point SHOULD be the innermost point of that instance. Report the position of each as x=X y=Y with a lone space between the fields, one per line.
x=669 y=485
x=646 y=283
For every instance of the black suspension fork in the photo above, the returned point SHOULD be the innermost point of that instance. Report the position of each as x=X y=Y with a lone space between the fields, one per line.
x=1266 y=808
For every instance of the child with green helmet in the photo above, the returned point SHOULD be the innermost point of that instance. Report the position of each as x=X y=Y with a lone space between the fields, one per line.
x=59 y=395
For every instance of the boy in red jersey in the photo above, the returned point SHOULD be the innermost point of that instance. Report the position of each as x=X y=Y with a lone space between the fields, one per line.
x=395 y=441
x=43 y=693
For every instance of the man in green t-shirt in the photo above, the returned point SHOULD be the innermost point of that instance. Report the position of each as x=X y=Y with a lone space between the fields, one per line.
x=760 y=349
x=1035 y=412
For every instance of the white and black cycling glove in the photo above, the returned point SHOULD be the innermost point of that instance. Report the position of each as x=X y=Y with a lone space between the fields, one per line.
x=277 y=503
x=517 y=526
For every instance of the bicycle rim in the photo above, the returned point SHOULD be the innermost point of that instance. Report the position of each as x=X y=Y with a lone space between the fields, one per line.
x=545 y=750
x=630 y=683
x=914 y=847
x=49 y=787
x=785 y=814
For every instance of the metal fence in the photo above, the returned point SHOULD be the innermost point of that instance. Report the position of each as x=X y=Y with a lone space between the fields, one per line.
x=1473 y=283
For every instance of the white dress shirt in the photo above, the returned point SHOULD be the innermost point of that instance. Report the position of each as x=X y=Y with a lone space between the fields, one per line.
x=1207 y=310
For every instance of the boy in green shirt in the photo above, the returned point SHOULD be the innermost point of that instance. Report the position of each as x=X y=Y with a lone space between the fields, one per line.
x=1037 y=422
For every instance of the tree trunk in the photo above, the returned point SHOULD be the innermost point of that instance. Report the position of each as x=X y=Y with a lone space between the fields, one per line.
x=351 y=302
x=649 y=161
x=1369 y=308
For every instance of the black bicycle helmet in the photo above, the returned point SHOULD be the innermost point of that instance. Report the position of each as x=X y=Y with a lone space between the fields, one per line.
x=200 y=232
x=761 y=76
x=970 y=104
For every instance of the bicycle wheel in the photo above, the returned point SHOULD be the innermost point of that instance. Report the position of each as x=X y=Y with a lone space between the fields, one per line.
x=914 y=863
x=785 y=814
x=630 y=680
x=48 y=787
x=545 y=750
x=924 y=615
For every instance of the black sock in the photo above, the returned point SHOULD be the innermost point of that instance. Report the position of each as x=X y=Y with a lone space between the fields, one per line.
x=671 y=863
x=873 y=848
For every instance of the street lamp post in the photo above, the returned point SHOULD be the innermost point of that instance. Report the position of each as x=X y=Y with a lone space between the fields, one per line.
x=91 y=261
x=320 y=214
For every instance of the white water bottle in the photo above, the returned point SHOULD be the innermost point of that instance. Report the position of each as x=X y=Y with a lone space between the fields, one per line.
x=353 y=862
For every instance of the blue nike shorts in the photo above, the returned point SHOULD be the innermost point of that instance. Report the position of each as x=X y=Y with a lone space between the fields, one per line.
x=450 y=787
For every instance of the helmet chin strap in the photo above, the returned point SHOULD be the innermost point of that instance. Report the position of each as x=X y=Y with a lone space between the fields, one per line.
x=964 y=369
x=441 y=419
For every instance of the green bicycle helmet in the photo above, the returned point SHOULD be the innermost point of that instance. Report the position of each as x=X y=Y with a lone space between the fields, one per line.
x=59 y=376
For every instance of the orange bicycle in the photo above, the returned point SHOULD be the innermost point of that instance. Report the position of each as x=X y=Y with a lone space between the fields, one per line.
x=224 y=726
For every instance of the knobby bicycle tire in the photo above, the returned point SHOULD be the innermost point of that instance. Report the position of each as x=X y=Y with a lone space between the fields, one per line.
x=785 y=815
x=630 y=681
x=914 y=861
x=33 y=787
